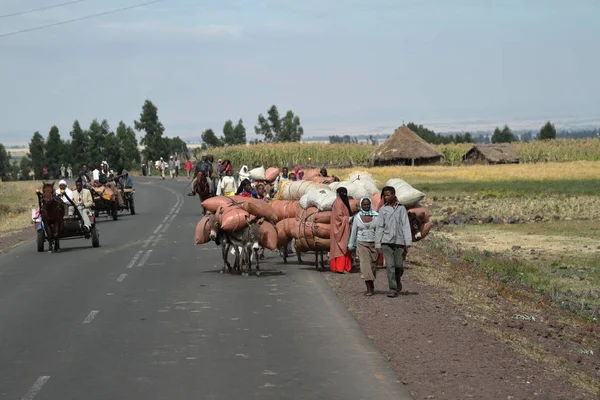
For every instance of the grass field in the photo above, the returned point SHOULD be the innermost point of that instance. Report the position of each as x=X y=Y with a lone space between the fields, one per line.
x=16 y=201
x=316 y=155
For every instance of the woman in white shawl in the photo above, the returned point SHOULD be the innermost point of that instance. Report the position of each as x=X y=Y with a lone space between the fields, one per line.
x=244 y=174
x=362 y=237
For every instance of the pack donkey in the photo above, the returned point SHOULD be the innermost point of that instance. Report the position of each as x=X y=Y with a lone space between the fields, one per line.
x=243 y=243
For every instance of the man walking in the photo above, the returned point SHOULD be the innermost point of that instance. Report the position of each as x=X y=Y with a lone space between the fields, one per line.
x=171 y=167
x=393 y=238
x=177 y=166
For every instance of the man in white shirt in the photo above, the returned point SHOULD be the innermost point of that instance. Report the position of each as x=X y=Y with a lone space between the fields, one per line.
x=63 y=192
x=96 y=173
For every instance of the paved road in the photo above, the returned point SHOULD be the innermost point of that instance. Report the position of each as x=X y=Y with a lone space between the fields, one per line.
x=148 y=316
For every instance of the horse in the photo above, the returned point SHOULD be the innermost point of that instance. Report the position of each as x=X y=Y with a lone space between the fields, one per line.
x=52 y=211
x=202 y=188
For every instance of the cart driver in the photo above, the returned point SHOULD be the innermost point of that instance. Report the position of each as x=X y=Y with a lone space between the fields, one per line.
x=63 y=192
x=84 y=201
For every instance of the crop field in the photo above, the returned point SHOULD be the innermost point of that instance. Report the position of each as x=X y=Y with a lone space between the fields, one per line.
x=316 y=155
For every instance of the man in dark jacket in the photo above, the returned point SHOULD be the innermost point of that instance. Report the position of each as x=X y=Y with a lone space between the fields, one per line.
x=205 y=166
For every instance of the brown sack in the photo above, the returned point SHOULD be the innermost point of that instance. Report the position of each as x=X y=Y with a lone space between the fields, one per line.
x=232 y=218
x=354 y=206
x=268 y=236
x=202 y=234
x=287 y=227
x=285 y=208
x=282 y=237
x=303 y=214
x=256 y=207
x=302 y=230
x=425 y=230
x=376 y=202
x=314 y=244
x=214 y=203
x=311 y=173
x=322 y=231
x=422 y=213
x=271 y=174
x=323 y=217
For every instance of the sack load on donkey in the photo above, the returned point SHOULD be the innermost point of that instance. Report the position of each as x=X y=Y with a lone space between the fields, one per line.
x=241 y=225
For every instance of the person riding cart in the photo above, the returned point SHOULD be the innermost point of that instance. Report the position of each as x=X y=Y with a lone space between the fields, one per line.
x=84 y=201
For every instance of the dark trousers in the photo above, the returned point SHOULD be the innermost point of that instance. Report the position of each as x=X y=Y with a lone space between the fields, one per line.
x=394 y=257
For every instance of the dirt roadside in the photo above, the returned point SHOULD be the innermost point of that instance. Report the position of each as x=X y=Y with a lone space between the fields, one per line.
x=442 y=349
x=11 y=239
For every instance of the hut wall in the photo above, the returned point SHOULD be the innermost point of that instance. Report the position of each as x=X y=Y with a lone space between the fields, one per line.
x=476 y=158
x=408 y=161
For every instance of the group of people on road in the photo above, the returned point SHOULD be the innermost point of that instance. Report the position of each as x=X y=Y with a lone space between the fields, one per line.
x=380 y=233
x=378 y=237
x=100 y=176
x=173 y=166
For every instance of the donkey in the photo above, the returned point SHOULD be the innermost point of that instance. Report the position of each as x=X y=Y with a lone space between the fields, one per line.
x=244 y=244
x=52 y=211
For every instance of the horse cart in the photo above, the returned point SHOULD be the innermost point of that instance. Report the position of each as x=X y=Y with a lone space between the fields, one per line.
x=104 y=201
x=52 y=222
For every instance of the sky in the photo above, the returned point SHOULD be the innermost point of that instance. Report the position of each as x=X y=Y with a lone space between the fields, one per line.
x=341 y=65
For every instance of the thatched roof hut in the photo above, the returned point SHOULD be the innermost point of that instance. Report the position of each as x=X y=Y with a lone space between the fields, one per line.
x=501 y=153
x=405 y=147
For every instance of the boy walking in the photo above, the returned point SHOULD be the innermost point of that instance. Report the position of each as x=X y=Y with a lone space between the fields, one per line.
x=393 y=238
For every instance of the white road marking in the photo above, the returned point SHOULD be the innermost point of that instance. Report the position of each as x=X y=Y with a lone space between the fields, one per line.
x=121 y=277
x=145 y=258
x=134 y=259
x=35 y=388
x=90 y=317
x=147 y=241
x=166 y=218
x=165 y=228
x=158 y=229
x=173 y=217
x=158 y=238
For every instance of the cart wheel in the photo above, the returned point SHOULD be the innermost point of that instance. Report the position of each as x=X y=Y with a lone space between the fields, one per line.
x=95 y=237
x=41 y=237
x=131 y=207
x=115 y=211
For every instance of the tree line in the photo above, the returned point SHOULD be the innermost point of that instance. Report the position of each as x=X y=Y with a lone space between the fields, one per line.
x=504 y=135
x=273 y=128
x=97 y=143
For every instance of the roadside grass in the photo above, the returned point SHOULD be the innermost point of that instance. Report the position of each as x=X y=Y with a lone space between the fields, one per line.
x=515 y=188
x=16 y=201
x=581 y=228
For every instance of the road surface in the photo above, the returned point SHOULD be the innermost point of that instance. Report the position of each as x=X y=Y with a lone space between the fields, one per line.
x=148 y=316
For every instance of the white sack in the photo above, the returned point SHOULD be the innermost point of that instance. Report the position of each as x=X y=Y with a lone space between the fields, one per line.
x=355 y=191
x=323 y=199
x=407 y=195
x=257 y=174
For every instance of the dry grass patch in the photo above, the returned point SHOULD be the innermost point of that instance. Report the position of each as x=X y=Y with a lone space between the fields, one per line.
x=578 y=170
x=16 y=201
